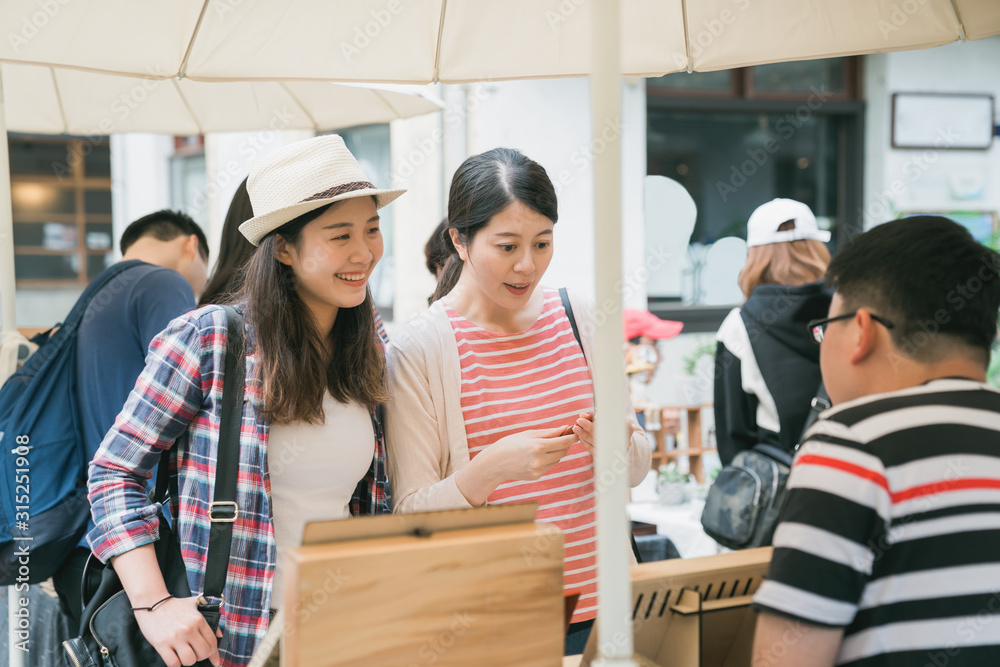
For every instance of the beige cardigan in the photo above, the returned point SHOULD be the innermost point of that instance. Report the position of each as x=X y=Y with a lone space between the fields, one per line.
x=425 y=429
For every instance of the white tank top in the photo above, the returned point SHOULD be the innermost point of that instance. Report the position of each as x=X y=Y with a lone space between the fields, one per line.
x=314 y=469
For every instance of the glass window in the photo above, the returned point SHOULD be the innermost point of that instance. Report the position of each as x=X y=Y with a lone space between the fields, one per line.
x=97 y=202
x=801 y=77
x=56 y=197
x=96 y=264
x=188 y=184
x=730 y=163
x=42 y=198
x=718 y=82
x=100 y=236
x=37 y=158
x=63 y=268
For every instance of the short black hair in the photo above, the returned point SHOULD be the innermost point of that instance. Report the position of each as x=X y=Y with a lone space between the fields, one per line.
x=165 y=225
x=437 y=249
x=928 y=276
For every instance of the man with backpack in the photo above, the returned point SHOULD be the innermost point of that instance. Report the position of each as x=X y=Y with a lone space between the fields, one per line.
x=163 y=271
x=887 y=551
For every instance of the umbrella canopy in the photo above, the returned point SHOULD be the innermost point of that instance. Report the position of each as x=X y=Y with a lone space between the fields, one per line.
x=46 y=100
x=463 y=40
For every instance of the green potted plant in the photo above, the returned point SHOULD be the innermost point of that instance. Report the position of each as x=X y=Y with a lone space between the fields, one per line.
x=672 y=485
x=696 y=376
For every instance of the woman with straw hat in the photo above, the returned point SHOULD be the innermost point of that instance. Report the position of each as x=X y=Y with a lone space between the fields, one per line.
x=311 y=445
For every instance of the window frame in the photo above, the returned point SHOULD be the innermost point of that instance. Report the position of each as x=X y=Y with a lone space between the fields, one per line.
x=76 y=180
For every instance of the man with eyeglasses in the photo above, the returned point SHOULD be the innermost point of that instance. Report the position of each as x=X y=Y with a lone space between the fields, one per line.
x=888 y=548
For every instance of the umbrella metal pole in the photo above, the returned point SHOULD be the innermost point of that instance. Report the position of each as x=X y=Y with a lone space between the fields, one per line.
x=614 y=583
x=7 y=292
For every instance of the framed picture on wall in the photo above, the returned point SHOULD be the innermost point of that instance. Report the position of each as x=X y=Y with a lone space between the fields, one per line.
x=984 y=225
x=942 y=121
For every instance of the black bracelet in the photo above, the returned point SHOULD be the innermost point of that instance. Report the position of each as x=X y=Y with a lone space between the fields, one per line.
x=153 y=606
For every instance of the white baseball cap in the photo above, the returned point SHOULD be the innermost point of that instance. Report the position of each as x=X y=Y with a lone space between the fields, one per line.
x=762 y=228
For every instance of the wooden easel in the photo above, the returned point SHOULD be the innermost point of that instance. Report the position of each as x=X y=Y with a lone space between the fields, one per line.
x=468 y=587
x=694 y=612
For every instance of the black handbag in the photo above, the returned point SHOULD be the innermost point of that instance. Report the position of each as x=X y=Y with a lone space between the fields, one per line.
x=744 y=503
x=109 y=634
x=568 y=307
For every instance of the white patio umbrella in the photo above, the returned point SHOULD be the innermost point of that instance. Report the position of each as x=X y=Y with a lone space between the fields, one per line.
x=46 y=100
x=452 y=41
x=475 y=40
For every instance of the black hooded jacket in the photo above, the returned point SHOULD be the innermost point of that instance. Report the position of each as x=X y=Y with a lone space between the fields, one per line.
x=767 y=368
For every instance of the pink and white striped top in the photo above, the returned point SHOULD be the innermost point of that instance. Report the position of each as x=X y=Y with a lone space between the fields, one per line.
x=536 y=379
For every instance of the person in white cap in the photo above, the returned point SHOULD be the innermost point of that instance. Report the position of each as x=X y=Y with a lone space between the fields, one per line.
x=767 y=366
x=311 y=445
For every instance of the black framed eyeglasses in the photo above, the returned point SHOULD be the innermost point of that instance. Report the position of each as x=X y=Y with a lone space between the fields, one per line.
x=818 y=327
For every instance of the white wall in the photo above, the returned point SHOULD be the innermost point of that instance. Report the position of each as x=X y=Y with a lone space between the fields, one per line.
x=549 y=121
x=906 y=180
x=229 y=156
x=140 y=177
x=418 y=151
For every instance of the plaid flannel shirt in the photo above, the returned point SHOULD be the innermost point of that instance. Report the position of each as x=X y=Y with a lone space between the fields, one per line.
x=177 y=403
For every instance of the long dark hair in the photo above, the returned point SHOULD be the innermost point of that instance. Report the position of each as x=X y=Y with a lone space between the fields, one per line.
x=483 y=186
x=234 y=251
x=295 y=365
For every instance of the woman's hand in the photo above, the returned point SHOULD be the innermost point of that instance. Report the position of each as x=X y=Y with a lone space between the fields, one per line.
x=522 y=456
x=175 y=628
x=584 y=430
x=530 y=454
x=179 y=633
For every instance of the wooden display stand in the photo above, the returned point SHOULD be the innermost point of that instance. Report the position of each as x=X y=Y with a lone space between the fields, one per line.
x=694 y=449
x=468 y=587
x=694 y=612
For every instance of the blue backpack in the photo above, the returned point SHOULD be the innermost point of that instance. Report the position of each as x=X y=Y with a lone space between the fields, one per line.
x=43 y=471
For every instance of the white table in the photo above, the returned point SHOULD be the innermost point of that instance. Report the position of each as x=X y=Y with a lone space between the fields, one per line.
x=681 y=523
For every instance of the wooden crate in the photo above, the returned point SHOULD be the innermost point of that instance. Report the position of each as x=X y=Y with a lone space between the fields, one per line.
x=694 y=612
x=485 y=595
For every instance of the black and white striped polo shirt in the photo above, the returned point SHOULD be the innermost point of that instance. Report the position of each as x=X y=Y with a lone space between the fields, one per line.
x=891 y=528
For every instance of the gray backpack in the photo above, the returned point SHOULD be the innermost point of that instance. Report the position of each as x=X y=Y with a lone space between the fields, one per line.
x=743 y=505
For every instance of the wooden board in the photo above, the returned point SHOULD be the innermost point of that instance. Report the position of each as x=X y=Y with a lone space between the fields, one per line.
x=387 y=525
x=476 y=596
x=695 y=612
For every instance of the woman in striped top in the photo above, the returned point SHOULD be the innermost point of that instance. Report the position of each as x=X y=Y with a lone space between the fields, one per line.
x=492 y=398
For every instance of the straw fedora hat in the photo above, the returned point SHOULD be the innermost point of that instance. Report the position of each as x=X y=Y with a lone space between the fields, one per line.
x=302 y=177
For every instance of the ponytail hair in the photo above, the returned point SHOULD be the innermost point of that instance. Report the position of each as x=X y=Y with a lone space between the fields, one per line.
x=483 y=186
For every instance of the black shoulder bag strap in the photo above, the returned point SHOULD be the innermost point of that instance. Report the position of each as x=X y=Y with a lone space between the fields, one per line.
x=818 y=404
x=564 y=296
x=568 y=307
x=223 y=510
